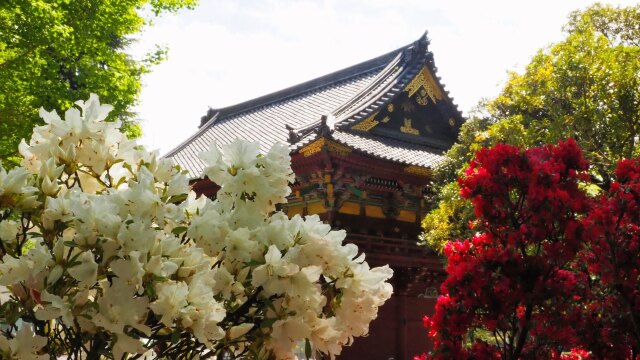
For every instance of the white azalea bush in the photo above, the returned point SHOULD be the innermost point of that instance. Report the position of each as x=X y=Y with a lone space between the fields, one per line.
x=107 y=253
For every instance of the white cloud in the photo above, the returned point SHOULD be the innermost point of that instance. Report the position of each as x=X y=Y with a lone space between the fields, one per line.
x=225 y=52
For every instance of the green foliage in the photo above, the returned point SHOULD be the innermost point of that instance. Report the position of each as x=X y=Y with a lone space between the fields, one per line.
x=54 y=51
x=472 y=137
x=444 y=222
x=586 y=87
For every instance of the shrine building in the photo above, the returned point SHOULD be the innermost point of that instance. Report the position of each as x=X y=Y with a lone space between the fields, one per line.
x=363 y=141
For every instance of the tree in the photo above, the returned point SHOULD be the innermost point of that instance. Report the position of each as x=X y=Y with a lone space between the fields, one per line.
x=106 y=252
x=586 y=87
x=53 y=52
x=512 y=290
x=612 y=257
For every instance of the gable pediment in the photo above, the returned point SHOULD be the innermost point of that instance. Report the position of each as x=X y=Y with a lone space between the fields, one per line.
x=421 y=114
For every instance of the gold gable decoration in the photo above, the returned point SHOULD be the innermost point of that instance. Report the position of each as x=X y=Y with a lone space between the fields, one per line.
x=408 y=128
x=418 y=170
x=424 y=80
x=318 y=145
x=337 y=148
x=366 y=124
x=313 y=148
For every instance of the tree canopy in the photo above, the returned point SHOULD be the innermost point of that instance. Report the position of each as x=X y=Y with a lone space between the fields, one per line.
x=586 y=87
x=55 y=51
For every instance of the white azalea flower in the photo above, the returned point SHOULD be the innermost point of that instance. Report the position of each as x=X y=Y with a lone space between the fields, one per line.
x=172 y=298
x=239 y=245
x=13 y=270
x=16 y=188
x=286 y=333
x=223 y=282
x=136 y=236
x=112 y=250
x=86 y=271
x=274 y=267
x=25 y=346
x=120 y=307
x=204 y=324
x=161 y=267
x=326 y=337
x=9 y=230
x=129 y=270
x=209 y=232
x=26 y=267
x=54 y=307
x=93 y=111
x=239 y=330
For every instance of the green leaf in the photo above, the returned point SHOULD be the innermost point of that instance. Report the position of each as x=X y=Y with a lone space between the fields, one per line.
x=177 y=198
x=120 y=182
x=178 y=230
x=175 y=337
x=150 y=290
x=307 y=349
x=267 y=323
x=254 y=263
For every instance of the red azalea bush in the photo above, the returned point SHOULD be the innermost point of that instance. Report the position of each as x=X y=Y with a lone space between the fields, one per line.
x=550 y=273
x=613 y=259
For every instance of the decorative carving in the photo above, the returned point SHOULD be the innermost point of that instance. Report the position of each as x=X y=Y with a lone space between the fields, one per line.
x=418 y=170
x=367 y=124
x=294 y=137
x=327 y=125
x=390 y=204
x=452 y=122
x=342 y=195
x=425 y=81
x=318 y=145
x=385 y=120
x=390 y=108
x=408 y=129
x=408 y=106
x=422 y=98
x=313 y=148
x=338 y=149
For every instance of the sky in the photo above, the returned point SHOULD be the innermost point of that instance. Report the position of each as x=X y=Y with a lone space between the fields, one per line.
x=227 y=51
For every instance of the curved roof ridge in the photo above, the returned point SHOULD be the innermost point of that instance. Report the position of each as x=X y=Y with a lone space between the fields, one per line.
x=416 y=55
x=377 y=87
x=445 y=92
x=376 y=82
x=187 y=141
x=385 y=80
x=304 y=87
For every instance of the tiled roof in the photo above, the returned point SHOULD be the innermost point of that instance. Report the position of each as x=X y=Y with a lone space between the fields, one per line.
x=266 y=123
x=294 y=114
x=391 y=149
